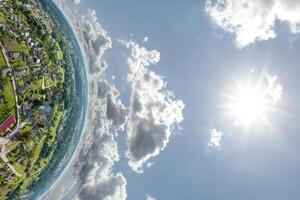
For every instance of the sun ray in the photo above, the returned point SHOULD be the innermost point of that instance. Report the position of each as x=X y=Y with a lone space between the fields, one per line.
x=250 y=100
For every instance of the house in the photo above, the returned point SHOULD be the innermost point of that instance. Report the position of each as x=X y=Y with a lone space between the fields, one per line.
x=34 y=69
x=8 y=123
x=1 y=87
x=22 y=90
x=2 y=27
x=34 y=60
x=28 y=80
x=5 y=70
x=14 y=54
x=20 y=73
x=26 y=109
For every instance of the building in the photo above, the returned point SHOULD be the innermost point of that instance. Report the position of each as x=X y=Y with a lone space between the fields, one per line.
x=26 y=109
x=14 y=54
x=8 y=123
x=2 y=27
x=22 y=90
x=20 y=73
x=5 y=70
x=1 y=87
x=35 y=69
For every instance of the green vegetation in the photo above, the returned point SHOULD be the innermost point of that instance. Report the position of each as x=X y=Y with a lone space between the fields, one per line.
x=9 y=105
x=2 y=60
x=12 y=45
x=2 y=19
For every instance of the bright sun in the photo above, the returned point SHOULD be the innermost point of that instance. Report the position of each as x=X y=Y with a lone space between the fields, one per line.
x=249 y=105
x=250 y=102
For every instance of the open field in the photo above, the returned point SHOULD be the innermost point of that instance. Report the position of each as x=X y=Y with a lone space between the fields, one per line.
x=9 y=105
x=2 y=19
x=2 y=60
x=14 y=46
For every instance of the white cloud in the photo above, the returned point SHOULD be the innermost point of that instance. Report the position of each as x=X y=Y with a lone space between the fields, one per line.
x=98 y=180
x=146 y=39
x=148 y=197
x=153 y=110
x=252 y=21
x=215 y=139
x=96 y=41
x=100 y=150
x=76 y=1
x=274 y=90
x=116 y=112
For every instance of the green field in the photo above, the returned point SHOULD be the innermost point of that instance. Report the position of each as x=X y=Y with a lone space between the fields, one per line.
x=14 y=46
x=9 y=106
x=19 y=64
x=58 y=51
x=2 y=60
x=2 y=20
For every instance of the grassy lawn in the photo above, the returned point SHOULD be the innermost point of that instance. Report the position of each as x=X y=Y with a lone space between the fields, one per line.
x=13 y=45
x=2 y=60
x=59 y=53
x=9 y=105
x=18 y=63
x=20 y=83
x=36 y=85
x=2 y=19
x=34 y=168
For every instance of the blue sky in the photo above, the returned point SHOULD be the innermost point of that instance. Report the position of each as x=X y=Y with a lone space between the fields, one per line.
x=196 y=63
x=199 y=60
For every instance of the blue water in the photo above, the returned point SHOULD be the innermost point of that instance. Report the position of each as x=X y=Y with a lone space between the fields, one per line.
x=60 y=161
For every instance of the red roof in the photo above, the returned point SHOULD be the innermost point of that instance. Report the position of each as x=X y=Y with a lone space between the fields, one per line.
x=8 y=123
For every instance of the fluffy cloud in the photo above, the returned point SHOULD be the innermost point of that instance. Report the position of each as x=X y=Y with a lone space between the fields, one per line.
x=98 y=181
x=153 y=110
x=273 y=89
x=116 y=112
x=96 y=41
x=100 y=151
x=76 y=1
x=215 y=139
x=252 y=21
x=148 y=197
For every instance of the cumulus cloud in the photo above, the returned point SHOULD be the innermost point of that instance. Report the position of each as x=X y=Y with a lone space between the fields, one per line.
x=149 y=197
x=252 y=21
x=100 y=150
x=116 y=112
x=215 y=139
x=95 y=172
x=153 y=110
x=96 y=40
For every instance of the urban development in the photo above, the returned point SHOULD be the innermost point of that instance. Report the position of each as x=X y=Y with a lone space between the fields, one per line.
x=36 y=88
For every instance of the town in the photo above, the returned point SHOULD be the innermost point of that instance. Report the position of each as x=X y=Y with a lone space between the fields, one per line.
x=32 y=90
